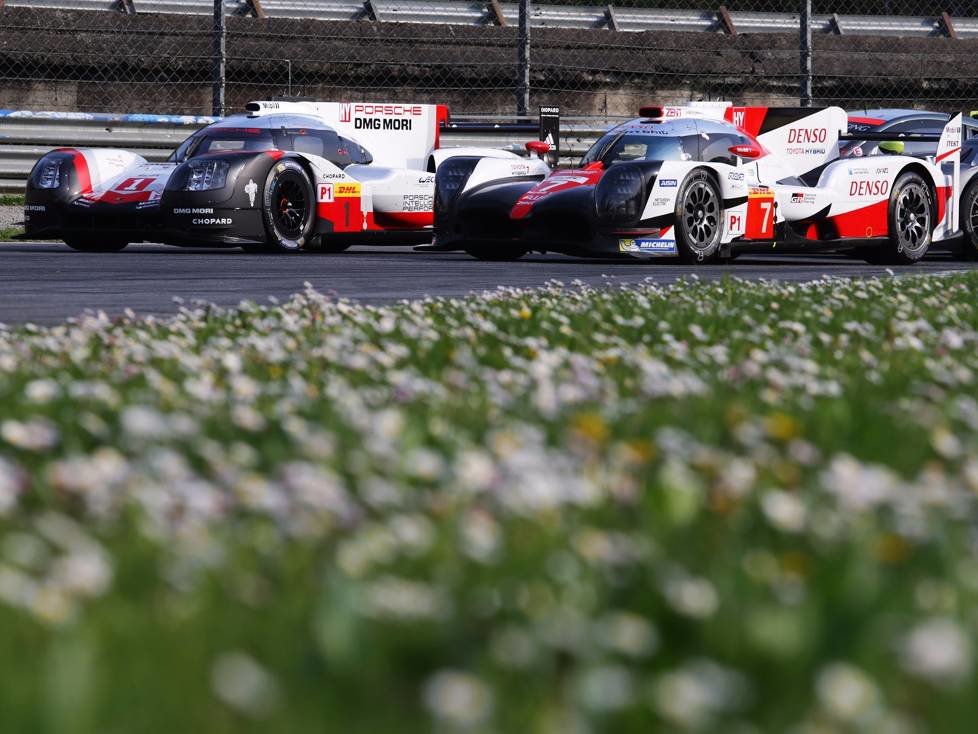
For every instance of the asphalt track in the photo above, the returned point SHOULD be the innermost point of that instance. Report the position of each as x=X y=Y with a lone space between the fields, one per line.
x=45 y=283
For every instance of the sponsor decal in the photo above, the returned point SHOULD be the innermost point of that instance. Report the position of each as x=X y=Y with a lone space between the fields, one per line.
x=807 y=135
x=426 y=180
x=735 y=176
x=661 y=201
x=802 y=198
x=858 y=171
x=381 y=116
x=759 y=191
x=668 y=183
x=252 y=190
x=869 y=188
x=147 y=204
x=418 y=203
x=83 y=201
x=386 y=123
x=882 y=171
x=35 y=208
x=346 y=190
x=210 y=221
x=193 y=211
x=735 y=223
x=653 y=247
x=519 y=169
x=333 y=176
x=326 y=193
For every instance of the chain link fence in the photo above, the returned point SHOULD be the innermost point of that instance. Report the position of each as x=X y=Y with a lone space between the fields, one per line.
x=916 y=53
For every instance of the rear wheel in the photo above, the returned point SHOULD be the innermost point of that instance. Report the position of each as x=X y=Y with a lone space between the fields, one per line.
x=911 y=220
x=288 y=207
x=95 y=243
x=969 y=222
x=497 y=254
x=698 y=211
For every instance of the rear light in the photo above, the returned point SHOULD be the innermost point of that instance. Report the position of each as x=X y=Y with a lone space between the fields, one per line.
x=49 y=174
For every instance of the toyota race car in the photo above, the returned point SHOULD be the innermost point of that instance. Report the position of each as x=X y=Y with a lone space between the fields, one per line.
x=285 y=176
x=706 y=181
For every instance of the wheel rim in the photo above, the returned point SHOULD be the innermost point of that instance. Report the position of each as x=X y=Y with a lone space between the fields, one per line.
x=913 y=217
x=290 y=207
x=973 y=218
x=701 y=215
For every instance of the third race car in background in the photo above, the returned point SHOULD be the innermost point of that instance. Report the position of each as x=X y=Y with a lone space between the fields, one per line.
x=709 y=180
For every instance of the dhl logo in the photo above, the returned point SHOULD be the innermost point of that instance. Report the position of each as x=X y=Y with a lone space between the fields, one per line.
x=347 y=190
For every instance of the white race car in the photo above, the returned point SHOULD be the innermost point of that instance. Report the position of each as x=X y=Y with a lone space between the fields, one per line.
x=706 y=181
x=284 y=176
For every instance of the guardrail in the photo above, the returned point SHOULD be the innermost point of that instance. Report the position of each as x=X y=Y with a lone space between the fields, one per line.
x=464 y=12
x=26 y=136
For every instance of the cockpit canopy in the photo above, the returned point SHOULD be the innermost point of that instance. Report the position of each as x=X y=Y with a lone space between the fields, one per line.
x=676 y=140
x=293 y=133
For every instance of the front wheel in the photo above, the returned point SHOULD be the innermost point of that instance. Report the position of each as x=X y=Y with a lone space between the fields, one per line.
x=698 y=217
x=969 y=222
x=288 y=207
x=95 y=243
x=910 y=221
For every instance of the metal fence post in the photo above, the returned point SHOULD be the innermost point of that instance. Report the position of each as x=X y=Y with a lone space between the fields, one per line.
x=523 y=80
x=806 y=53
x=219 y=68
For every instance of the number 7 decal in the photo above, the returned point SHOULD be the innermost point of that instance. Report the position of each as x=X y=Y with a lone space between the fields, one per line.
x=760 y=215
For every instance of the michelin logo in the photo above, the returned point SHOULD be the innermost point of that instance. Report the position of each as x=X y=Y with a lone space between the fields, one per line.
x=648 y=247
x=252 y=190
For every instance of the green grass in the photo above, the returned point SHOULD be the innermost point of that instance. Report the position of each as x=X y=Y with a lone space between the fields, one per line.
x=11 y=200
x=722 y=507
x=7 y=234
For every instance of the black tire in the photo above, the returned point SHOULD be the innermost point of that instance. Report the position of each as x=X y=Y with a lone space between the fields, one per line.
x=699 y=216
x=910 y=219
x=288 y=207
x=969 y=222
x=497 y=254
x=95 y=243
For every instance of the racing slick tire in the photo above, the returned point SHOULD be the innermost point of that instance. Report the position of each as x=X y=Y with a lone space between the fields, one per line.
x=497 y=255
x=95 y=243
x=699 y=212
x=288 y=207
x=910 y=220
x=969 y=222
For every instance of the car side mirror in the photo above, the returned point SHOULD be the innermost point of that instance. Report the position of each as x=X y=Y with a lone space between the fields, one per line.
x=538 y=148
x=747 y=150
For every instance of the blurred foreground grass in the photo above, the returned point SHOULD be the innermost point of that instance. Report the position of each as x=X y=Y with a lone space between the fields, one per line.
x=723 y=507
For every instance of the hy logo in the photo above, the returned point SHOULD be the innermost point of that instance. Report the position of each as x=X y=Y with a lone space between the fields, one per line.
x=251 y=189
x=346 y=112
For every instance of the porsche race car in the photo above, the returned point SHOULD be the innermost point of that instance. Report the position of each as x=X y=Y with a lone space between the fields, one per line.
x=706 y=181
x=285 y=176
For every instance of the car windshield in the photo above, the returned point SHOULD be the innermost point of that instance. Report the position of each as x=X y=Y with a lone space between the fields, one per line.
x=216 y=139
x=323 y=143
x=619 y=147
